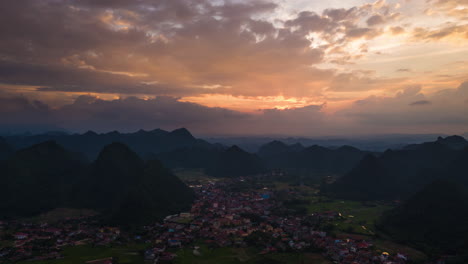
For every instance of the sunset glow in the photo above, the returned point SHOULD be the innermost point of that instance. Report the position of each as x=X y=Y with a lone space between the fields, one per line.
x=335 y=64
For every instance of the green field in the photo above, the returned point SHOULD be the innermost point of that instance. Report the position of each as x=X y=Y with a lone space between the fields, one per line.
x=356 y=217
x=244 y=255
x=193 y=175
x=129 y=254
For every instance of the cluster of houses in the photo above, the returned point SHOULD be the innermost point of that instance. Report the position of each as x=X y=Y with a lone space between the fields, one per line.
x=220 y=217
x=42 y=241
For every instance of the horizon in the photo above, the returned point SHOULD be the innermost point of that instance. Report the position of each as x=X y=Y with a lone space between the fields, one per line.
x=230 y=136
x=33 y=132
x=235 y=67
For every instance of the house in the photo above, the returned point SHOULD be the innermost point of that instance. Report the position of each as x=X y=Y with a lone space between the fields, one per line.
x=20 y=236
x=174 y=243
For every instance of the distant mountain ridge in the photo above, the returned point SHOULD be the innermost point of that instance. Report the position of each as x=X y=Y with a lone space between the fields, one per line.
x=452 y=142
x=317 y=159
x=90 y=143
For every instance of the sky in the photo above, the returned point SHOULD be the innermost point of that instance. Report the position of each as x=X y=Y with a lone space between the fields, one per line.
x=235 y=67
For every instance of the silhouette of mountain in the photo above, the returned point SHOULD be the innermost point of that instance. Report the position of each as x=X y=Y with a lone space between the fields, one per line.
x=116 y=169
x=191 y=157
x=235 y=162
x=38 y=178
x=368 y=179
x=452 y=142
x=315 y=158
x=129 y=190
x=5 y=149
x=434 y=219
x=458 y=169
x=119 y=184
x=276 y=147
x=90 y=143
x=401 y=173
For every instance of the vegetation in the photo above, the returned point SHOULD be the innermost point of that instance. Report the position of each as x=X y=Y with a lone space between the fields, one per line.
x=244 y=255
x=400 y=174
x=433 y=220
x=129 y=254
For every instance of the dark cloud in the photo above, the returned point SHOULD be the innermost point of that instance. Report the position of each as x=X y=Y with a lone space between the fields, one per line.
x=131 y=114
x=180 y=45
x=375 y=114
x=308 y=21
x=421 y=102
x=368 y=33
x=375 y=20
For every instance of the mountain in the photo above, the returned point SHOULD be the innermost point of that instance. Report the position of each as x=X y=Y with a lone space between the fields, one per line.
x=372 y=143
x=368 y=179
x=130 y=191
x=234 y=162
x=216 y=160
x=458 y=169
x=5 y=149
x=278 y=148
x=145 y=143
x=116 y=169
x=405 y=172
x=452 y=142
x=119 y=184
x=158 y=194
x=191 y=157
x=315 y=159
x=434 y=219
x=38 y=178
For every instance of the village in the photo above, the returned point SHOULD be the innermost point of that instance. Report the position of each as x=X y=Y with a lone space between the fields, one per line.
x=222 y=216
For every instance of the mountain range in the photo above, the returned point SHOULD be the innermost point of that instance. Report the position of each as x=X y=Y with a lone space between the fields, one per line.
x=90 y=143
x=315 y=159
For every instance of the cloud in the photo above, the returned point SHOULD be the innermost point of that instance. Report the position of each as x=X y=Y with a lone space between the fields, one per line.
x=375 y=20
x=374 y=114
x=403 y=70
x=114 y=47
x=131 y=114
x=397 y=30
x=361 y=81
x=442 y=111
x=446 y=31
x=453 y=8
x=53 y=51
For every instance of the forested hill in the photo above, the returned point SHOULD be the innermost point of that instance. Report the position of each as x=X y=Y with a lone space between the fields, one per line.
x=398 y=174
x=119 y=184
